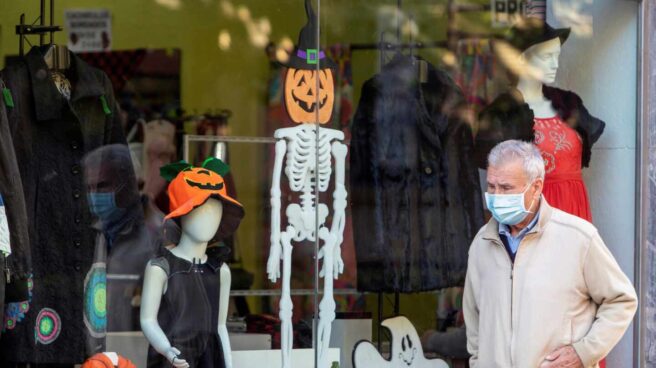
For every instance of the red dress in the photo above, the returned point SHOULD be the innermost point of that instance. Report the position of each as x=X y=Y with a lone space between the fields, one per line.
x=561 y=148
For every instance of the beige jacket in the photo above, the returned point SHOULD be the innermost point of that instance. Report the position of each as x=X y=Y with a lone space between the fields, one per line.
x=565 y=288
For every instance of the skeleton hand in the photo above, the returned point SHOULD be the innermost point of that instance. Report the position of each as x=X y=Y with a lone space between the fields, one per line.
x=273 y=265
x=337 y=262
x=173 y=356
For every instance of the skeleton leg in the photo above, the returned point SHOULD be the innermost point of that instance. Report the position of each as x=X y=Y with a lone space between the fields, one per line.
x=286 y=306
x=327 y=304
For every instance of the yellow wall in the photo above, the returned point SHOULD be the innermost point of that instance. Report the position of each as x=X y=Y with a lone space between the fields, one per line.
x=236 y=78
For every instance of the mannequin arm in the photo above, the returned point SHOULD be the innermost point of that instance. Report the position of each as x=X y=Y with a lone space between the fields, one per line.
x=153 y=288
x=224 y=301
x=273 y=264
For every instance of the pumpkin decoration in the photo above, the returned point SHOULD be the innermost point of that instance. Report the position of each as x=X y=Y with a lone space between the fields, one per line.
x=102 y=360
x=307 y=64
x=301 y=97
x=190 y=187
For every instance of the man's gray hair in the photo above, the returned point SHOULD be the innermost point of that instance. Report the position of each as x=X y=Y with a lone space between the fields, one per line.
x=514 y=150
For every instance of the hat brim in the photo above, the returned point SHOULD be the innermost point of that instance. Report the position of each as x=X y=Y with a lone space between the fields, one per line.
x=233 y=212
x=302 y=64
x=562 y=33
x=522 y=45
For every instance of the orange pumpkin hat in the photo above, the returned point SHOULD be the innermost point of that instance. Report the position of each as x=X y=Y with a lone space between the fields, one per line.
x=101 y=360
x=190 y=187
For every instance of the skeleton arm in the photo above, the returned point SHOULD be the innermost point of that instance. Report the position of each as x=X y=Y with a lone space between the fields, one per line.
x=339 y=204
x=273 y=264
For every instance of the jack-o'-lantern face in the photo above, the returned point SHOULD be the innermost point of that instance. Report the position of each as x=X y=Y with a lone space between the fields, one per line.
x=191 y=186
x=203 y=179
x=302 y=98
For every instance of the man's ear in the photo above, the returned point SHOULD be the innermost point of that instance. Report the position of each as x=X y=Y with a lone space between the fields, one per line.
x=538 y=185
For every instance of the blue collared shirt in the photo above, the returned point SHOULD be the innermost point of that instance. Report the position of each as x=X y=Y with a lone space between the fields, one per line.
x=512 y=242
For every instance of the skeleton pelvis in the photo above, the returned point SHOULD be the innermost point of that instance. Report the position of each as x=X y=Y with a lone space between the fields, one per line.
x=303 y=220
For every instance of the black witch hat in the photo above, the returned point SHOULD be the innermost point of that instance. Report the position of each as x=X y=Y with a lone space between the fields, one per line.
x=307 y=53
x=532 y=31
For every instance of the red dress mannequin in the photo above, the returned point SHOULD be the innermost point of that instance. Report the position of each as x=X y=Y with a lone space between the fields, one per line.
x=561 y=148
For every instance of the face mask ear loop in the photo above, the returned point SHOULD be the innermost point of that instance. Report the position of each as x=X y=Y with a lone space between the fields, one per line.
x=533 y=201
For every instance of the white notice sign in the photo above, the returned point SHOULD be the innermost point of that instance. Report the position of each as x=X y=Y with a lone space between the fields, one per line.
x=88 y=29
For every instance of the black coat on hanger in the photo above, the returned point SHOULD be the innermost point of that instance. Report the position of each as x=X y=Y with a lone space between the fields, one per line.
x=414 y=188
x=51 y=135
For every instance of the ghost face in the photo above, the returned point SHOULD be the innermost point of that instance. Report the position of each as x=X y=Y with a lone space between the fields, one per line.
x=408 y=351
x=542 y=59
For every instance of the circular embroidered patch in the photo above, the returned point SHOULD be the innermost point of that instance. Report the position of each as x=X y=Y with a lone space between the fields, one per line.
x=48 y=326
x=95 y=300
x=15 y=312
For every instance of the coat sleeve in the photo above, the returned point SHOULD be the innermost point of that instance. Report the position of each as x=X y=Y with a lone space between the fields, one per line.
x=11 y=190
x=613 y=292
x=471 y=311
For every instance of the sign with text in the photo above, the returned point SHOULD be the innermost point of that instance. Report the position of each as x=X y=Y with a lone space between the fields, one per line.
x=88 y=29
x=506 y=12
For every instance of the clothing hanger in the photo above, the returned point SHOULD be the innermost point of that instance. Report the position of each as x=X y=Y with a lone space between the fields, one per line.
x=58 y=57
x=420 y=64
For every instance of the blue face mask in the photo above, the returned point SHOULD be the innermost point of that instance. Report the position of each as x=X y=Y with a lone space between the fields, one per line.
x=508 y=209
x=103 y=205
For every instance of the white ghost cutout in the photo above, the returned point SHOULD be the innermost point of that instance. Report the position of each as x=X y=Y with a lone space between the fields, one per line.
x=406 y=350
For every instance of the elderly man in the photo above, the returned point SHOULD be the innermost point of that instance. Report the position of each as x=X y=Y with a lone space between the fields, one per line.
x=542 y=289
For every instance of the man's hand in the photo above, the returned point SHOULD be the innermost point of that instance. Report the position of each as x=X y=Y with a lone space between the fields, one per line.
x=565 y=357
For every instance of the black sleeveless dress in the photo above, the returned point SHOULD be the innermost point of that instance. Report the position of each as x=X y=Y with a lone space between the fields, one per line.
x=189 y=311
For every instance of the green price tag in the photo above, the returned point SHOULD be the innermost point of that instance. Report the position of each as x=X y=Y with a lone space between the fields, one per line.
x=105 y=105
x=9 y=101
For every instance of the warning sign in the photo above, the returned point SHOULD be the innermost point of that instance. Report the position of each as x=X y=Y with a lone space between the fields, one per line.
x=88 y=29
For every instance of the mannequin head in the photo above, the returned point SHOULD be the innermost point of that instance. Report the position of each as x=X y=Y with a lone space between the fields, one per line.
x=540 y=61
x=530 y=51
x=202 y=223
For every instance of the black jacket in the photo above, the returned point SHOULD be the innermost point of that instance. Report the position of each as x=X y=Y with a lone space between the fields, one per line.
x=11 y=190
x=51 y=136
x=509 y=117
x=415 y=190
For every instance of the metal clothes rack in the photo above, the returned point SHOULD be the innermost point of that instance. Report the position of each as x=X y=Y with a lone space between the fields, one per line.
x=41 y=29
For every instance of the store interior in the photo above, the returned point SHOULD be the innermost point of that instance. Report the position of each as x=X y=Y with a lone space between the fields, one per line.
x=212 y=67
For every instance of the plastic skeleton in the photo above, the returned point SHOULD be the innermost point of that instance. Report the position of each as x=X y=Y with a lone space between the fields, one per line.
x=302 y=169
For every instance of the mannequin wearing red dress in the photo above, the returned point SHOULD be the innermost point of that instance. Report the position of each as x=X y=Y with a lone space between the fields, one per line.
x=560 y=144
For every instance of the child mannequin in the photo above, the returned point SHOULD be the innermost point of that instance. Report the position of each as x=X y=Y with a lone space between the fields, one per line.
x=186 y=289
